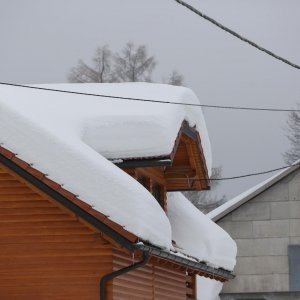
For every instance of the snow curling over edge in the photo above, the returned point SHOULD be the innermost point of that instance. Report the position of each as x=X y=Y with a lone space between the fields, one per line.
x=85 y=172
x=196 y=235
x=121 y=116
x=47 y=129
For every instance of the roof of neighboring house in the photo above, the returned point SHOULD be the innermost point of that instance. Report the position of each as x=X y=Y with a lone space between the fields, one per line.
x=59 y=139
x=244 y=197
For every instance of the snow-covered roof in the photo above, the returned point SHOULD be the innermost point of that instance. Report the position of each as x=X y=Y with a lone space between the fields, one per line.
x=196 y=235
x=66 y=137
x=244 y=197
x=124 y=129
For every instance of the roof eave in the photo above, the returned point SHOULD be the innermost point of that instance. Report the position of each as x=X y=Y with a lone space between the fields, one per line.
x=218 y=274
x=163 y=161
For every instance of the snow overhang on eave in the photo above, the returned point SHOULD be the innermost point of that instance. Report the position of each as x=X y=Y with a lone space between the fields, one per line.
x=160 y=160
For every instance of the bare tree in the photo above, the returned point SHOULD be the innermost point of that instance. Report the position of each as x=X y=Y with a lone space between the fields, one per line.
x=293 y=134
x=207 y=200
x=134 y=64
x=102 y=61
x=100 y=72
x=176 y=78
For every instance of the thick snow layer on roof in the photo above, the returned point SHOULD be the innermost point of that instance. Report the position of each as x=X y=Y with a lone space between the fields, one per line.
x=47 y=130
x=70 y=136
x=242 y=198
x=196 y=235
x=122 y=129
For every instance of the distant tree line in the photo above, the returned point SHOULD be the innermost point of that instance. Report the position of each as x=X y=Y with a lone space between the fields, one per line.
x=132 y=64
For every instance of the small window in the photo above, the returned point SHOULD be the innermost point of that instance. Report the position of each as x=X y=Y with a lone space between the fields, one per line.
x=143 y=181
x=157 y=193
x=294 y=267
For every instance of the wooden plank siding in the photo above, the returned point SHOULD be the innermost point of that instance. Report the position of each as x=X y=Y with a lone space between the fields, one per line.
x=46 y=252
x=187 y=172
x=153 y=281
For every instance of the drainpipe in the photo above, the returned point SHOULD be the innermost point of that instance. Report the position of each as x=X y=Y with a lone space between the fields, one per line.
x=110 y=276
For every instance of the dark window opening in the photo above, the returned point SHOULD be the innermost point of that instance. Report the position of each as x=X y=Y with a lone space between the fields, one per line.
x=143 y=181
x=156 y=192
x=294 y=267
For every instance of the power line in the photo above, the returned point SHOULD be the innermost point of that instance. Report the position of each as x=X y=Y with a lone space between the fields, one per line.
x=240 y=176
x=167 y=102
x=152 y=100
x=230 y=31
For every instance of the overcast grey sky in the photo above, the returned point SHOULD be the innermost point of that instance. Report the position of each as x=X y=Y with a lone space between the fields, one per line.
x=41 y=40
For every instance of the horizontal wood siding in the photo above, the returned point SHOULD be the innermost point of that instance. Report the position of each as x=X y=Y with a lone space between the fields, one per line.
x=153 y=281
x=45 y=251
x=169 y=283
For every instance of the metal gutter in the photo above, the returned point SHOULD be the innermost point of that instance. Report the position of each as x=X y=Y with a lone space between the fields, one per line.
x=199 y=266
x=150 y=162
x=110 y=276
x=158 y=161
x=67 y=203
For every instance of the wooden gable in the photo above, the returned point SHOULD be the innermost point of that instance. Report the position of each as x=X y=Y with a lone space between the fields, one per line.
x=184 y=169
x=188 y=169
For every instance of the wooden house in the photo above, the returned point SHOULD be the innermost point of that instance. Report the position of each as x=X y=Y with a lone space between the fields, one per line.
x=56 y=244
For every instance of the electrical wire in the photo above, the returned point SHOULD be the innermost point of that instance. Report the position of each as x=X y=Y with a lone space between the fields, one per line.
x=241 y=176
x=235 y=34
x=165 y=102
x=152 y=100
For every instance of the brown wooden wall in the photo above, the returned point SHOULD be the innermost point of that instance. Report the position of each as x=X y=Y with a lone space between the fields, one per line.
x=45 y=251
x=150 y=282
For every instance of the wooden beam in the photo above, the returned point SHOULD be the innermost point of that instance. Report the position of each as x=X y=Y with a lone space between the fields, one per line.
x=180 y=172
